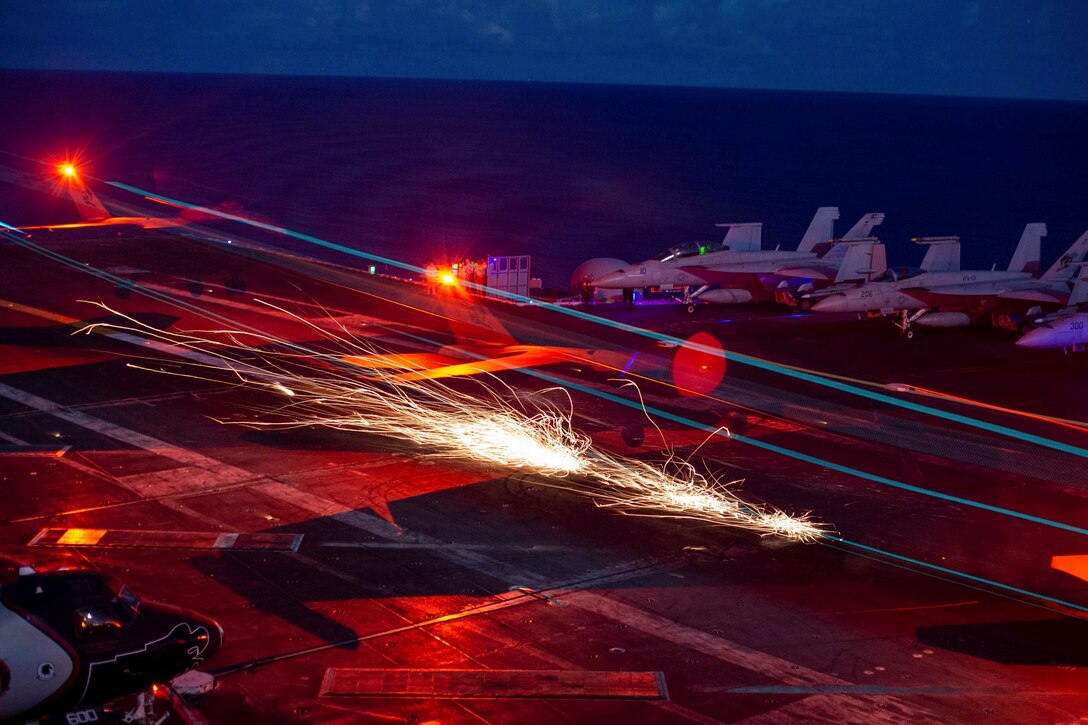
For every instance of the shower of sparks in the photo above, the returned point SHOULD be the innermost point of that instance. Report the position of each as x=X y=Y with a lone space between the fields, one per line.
x=491 y=424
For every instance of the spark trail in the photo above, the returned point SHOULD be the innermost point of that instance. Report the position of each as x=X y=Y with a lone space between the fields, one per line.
x=491 y=424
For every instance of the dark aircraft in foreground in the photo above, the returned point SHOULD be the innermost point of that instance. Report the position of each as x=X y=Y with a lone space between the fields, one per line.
x=72 y=640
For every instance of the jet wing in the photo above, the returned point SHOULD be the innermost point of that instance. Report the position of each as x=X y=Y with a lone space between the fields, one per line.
x=1030 y=291
x=143 y=222
x=971 y=289
x=1043 y=296
x=984 y=296
x=401 y=361
x=724 y=274
x=430 y=366
x=813 y=272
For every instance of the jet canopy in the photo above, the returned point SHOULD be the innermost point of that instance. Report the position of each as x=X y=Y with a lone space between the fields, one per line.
x=89 y=604
x=898 y=274
x=690 y=249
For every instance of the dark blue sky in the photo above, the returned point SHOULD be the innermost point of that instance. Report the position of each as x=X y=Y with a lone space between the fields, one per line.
x=1004 y=48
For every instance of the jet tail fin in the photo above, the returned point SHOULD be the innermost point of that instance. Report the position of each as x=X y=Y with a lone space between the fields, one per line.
x=820 y=229
x=87 y=203
x=1026 y=256
x=1066 y=265
x=470 y=319
x=864 y=227
x=743 y=237
x=1079 y=295
x=863 y=261
x=943 y=254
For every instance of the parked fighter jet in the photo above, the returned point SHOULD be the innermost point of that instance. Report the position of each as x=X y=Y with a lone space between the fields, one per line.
x=942 y=255
x=1068 y=328
x=956 y=299
x=71 y=640
x=747 y=275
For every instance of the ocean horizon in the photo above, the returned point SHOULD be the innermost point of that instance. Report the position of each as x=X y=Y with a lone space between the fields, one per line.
x=425 y=170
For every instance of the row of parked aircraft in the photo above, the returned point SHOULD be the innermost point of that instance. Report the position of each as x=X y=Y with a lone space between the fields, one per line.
x=825 y=274
x=850 y=274
x=738 y=270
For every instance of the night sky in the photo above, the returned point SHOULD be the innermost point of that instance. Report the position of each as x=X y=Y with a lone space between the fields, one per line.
x=1001 y=48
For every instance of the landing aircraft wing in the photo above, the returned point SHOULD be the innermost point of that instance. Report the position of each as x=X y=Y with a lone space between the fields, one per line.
x=94 y=213
x=142 y=222
x=401 y=361
x=483 y=346
x=431 y=366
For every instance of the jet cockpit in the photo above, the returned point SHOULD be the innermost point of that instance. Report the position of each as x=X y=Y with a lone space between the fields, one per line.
x=690 y=249
x=898 y=274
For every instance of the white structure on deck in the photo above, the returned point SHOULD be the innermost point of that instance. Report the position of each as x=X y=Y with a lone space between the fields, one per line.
x=509 y=274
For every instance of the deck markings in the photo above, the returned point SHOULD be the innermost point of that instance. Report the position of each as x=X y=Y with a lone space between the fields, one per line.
x=208 y=471
x=580 y=596
x=145 y=539
x=667 y=629
x=653 y=623
x=125 y=435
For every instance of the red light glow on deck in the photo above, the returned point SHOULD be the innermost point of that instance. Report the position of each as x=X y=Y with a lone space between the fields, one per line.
x=699 y=365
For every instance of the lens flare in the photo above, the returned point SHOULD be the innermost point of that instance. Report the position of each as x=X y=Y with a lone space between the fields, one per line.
x=699 y=365
x=480 y=421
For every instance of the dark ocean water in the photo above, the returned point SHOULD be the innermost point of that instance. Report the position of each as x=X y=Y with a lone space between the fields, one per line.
x=417 y=170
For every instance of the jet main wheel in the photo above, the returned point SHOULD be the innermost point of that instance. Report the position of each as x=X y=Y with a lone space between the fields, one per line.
x=909 y=334
x=690 y=308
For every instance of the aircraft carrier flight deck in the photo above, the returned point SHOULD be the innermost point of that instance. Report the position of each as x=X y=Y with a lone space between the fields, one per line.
x=357 y=578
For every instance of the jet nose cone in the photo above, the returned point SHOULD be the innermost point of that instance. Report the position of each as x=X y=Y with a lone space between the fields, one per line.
x=834 y=303
x=1039 y=337
x=215 y=638
x=611 y=280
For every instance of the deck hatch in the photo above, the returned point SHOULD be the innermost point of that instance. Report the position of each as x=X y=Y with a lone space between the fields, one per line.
x=122 y=538
x=461 y=684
